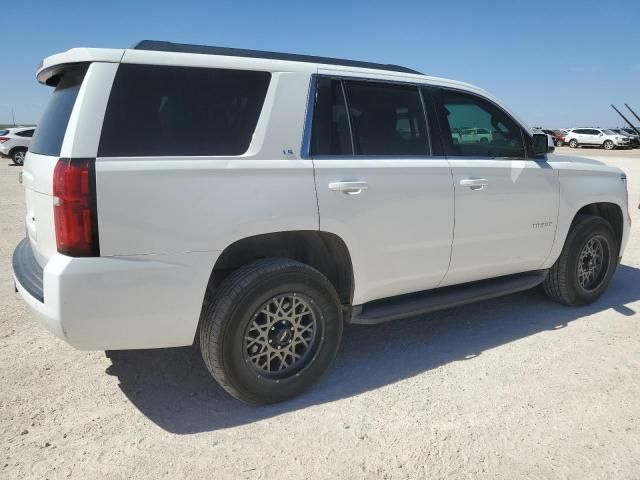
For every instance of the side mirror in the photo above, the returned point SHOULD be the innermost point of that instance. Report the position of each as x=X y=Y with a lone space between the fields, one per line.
x=541 y=144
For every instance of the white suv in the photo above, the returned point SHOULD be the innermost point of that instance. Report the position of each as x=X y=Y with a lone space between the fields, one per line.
x=598 y=137
x=14 y=143
x=254 y=202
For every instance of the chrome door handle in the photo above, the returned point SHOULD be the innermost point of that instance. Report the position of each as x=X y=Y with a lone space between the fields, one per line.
x=349 y=188
x=474 y=183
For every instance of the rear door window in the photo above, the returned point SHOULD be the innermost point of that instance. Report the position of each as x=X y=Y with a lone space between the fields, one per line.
x=157 y=110
x=387 y=119
x=53 y=122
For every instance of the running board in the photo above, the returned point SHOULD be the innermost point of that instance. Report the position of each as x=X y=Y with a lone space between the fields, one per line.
x=413 y=304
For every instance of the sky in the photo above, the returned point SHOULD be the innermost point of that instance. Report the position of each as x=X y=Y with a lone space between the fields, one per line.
x=554 y=63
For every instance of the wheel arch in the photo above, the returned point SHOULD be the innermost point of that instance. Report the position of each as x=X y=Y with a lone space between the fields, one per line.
x=324 y=251
x=18 y=148
x=611 y=212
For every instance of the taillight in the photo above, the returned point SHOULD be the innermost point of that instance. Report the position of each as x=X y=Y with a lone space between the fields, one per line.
x=74 y=207
x=3 y=139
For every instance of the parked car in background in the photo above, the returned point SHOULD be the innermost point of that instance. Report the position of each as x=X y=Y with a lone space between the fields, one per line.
x=601 y=137
x=256 y=202
x=14 y=143
x=633 y=136
x=476 y=135
x=557 y=135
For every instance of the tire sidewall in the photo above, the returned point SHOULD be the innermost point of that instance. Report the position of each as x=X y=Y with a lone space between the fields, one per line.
x=231 y=344
x=588 y=231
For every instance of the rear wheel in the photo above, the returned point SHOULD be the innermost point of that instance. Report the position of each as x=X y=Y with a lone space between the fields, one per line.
x=608 y=145
x=573 y=143
x=587 y=262
x=18 y=156
x=270 y=330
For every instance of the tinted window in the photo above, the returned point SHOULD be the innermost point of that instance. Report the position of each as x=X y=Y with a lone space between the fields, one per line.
x=25 y=133
x=4 y=132
x=387 y=119
x=464 y=116
x=581 y=131
x=330 y=135
x=173 y=111
x=53 y=122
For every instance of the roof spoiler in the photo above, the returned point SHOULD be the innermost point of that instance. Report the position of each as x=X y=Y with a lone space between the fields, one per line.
x=51 y=66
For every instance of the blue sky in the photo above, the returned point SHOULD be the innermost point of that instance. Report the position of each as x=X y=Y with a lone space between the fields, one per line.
x=559 y=63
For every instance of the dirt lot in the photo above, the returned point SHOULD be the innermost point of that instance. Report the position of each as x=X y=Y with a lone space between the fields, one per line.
x=515 y=387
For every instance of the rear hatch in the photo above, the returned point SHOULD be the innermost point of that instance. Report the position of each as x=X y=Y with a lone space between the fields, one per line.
x=44 y=152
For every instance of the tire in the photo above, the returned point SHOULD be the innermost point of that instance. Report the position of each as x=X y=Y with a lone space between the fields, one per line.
x=608 y=145
x=564 y=282
x=234 y=330
x=18 y=155
x=484 y=141
x=573 y=143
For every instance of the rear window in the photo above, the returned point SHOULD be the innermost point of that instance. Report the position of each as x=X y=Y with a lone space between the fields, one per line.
x=4 y=132
x=158 y=110
x=53 y=122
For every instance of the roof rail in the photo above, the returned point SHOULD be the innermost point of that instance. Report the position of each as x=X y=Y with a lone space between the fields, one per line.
x=161 y=46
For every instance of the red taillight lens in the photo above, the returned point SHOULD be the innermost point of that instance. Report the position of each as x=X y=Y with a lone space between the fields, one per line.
x=74 y=207
x=3 y=139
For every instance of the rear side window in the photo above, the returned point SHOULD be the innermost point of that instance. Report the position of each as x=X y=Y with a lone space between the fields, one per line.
x=53 y=122
x=25 y=133
x=387 y=119
x=158 y=110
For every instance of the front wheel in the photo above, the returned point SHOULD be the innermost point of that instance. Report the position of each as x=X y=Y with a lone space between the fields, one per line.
x=573 y=143
x=608 y=145
x=270 y=330
x=587 y=262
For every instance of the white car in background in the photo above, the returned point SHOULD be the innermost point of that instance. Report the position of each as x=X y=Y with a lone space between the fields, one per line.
x=602 y=137
x=476 y=135
x=14 y=143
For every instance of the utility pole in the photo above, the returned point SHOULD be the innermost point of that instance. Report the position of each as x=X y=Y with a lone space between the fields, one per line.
x=633 y=113
x=625 y=119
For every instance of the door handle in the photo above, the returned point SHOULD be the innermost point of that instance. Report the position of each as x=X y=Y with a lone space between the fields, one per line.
x=349 y=188
x=474 y=183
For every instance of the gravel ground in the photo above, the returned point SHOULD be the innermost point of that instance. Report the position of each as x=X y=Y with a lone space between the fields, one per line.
x=517 y=387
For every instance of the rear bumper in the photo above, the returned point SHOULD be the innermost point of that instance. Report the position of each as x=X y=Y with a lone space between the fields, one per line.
x=27 y=271
x=115 y=303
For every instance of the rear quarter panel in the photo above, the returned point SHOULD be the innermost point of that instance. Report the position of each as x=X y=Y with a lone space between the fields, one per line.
x=153 y=205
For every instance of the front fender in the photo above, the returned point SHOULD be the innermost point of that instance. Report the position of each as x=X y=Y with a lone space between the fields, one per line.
x=580 y=187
